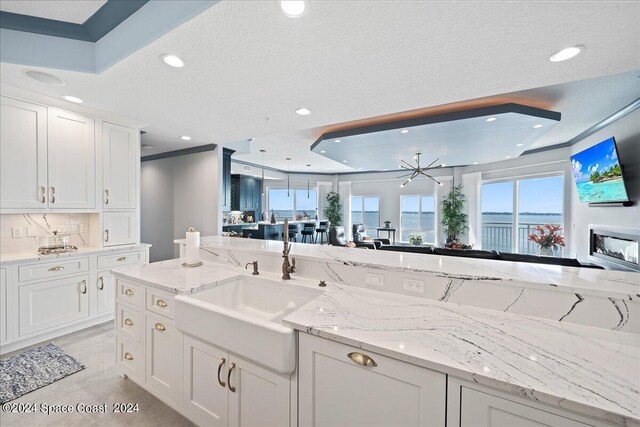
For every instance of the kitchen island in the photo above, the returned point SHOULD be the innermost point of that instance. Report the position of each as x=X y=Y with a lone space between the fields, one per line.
x=265 y=230
x=460 y=360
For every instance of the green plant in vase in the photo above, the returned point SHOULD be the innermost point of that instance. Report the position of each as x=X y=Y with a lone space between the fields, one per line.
x=415 y=239
x=333 y=210
x=454 y=220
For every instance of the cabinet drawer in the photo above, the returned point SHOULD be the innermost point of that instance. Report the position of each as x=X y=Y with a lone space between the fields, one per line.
x=116 y=260
x=129 y=322
x=130 y=359
x=51 y=270
x=161 y=302
x=130 y=292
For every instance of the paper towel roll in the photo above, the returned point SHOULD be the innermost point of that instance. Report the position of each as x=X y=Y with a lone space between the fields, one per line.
x=193 y=246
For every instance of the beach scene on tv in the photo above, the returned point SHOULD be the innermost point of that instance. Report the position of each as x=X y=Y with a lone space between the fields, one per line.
x=598 y=174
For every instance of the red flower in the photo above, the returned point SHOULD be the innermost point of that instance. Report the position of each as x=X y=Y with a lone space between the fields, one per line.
x=547 y=235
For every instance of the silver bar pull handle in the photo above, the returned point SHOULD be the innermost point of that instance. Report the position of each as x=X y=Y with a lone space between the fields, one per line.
x=43 y=197
x=84 y=286
x=53 y=194
x=106 y=197
x=106 y=235
x=100 y=283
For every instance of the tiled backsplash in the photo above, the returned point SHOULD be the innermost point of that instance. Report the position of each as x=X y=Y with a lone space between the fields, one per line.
x=32 y=226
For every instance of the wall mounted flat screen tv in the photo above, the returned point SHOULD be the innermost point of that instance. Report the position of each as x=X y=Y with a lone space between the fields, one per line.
x=598 y=174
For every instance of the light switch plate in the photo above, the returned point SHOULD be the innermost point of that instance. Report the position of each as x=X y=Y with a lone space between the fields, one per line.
x=374 y=280
x=413 y=285
x=73 y=228
x=84 y=228
x=17 y=232
x=31 y=232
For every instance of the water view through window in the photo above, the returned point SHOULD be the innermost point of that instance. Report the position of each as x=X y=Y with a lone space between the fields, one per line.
x=366 y=210
x=299 y=201
x=539 y=201
x=418 y=217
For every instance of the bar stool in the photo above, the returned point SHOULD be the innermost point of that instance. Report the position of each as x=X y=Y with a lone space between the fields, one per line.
x=308 y=230
x=293 y=232
x=321 y=231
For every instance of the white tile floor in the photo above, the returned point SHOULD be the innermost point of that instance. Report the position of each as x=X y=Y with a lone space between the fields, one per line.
x=98 y=383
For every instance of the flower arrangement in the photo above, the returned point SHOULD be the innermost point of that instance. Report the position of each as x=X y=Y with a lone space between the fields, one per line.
x=415 y=239
x=548 y=236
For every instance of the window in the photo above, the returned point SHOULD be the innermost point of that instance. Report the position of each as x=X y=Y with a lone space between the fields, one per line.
x=296 y=202
x=497 y=216
x=366 y=210
x=537 y=201
x=417 y=216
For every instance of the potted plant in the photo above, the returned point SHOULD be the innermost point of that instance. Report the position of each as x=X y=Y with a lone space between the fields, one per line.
x=548 y=237
x=333 y=210
x=415 y=239
x=454 y=221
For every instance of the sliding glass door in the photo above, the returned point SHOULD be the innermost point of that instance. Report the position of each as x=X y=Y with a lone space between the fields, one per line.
x=418 y=216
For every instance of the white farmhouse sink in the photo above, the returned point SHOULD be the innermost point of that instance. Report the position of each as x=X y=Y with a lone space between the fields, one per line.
x=244 y=315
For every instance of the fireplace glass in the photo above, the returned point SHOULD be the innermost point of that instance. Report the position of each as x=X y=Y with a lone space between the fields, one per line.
x=613 y=246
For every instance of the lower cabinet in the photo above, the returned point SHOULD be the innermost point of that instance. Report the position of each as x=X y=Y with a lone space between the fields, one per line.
x=161 y=363
x=105 y=290
x=4 y=332
x=46 y=305
x=473 y=405
x=221 y=389
x=341 y=385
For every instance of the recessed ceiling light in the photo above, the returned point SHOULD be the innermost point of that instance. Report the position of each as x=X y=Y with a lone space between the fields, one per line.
x=173 y=61
x=293 y=9
x=507 y=157
x=44 y=78
x=519 y=145
x=566 y=53
x=475 y=163
x=443 y=165
x=359 y=169
x=322 y=151
x=337 y=141
x=404 y=131
x=537 y=126
x=491 y=119
x=147 y=147
x=386 y=169
x=73 y=99
x=185 y=138
x=303 y=111
x=344 y=161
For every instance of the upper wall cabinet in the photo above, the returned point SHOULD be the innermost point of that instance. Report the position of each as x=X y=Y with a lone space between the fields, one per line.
x=119 y=164
x=71 y=161
x=23 y=155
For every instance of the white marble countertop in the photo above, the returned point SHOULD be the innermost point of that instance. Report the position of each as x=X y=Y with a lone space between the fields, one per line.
x=7 y=258
x=589 y=370
x=170 y=276
x=578 y=279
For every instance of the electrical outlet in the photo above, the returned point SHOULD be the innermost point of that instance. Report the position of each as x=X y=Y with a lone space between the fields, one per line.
x=17 y=232
x=84 y=228
x=31 y=232
x=374 y=280
x=413 y=285
x=73 y=228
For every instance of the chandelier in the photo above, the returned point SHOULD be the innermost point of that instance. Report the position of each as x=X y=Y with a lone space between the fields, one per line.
x=417 y=170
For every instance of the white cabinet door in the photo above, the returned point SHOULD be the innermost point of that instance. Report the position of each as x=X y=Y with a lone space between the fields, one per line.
x=46 y=305
x=205 y=398
x=336 y=391
x=23 y=155
x=119 y=228
x=71 y=155
x=3 y=305
x=479 y=409
x=161 y=361
x=119 y=160
x=257 y=397
x=105 y=291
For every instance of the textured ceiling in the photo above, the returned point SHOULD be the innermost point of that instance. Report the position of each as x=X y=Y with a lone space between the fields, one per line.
x=73 y=11
x=248 y=67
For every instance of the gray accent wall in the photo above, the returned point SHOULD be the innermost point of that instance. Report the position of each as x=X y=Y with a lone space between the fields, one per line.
x=178 y=193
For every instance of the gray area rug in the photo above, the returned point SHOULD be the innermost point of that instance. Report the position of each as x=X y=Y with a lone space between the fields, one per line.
x=33 y=369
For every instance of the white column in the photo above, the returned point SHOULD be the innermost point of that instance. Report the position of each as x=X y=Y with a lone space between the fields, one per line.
x=471 y=188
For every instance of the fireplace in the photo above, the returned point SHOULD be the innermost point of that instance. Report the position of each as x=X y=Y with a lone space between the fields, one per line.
x=615 y=248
